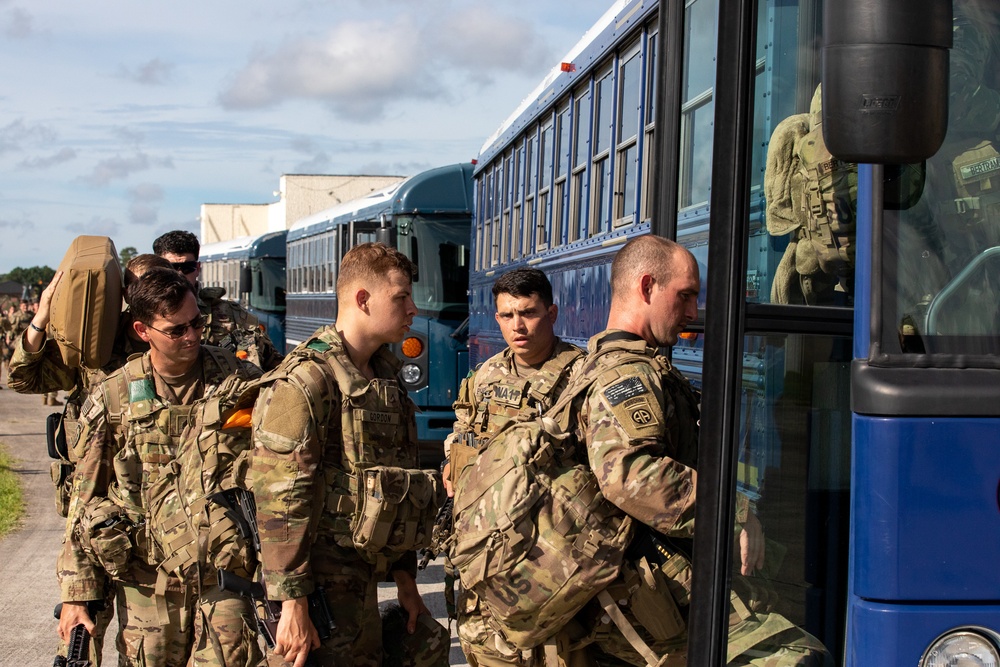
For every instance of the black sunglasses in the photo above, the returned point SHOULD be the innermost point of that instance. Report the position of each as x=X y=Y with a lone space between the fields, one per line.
x=178 y=331
x=185 y=267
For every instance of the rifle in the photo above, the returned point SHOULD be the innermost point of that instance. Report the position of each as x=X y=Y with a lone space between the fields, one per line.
x=240 y=506
x=269 y=611
x=78 y=650
x=440 y=534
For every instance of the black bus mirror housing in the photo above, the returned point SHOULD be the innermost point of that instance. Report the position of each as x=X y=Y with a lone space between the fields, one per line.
x=246 y=278
x=885 y=79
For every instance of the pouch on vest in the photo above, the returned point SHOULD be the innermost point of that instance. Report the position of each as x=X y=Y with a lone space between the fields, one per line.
x=105 y=533
x=60 y=473
x=87 y=303
x=55 y=437
x=396 y=509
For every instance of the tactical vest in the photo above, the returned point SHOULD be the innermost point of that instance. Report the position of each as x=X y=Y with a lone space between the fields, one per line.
x=152 y=430
x=518 y=398
x=377 y=501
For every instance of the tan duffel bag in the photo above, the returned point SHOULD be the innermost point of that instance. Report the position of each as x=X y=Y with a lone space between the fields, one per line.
x=87 y=302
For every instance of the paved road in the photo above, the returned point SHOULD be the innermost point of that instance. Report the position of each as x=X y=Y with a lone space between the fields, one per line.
x=28 y=589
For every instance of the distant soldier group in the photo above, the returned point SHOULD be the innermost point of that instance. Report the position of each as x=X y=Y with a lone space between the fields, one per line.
x=220 y=498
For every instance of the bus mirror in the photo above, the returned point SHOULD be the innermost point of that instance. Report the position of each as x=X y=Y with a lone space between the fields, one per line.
x=386 y=236
x=885 y=79
x=246 y=278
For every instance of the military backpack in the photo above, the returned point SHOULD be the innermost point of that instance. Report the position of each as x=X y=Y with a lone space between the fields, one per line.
x=535 y=539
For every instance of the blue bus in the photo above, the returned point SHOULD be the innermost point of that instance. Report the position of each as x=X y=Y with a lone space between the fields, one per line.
x=834 y=173
x=427 y=217
x=252 y=271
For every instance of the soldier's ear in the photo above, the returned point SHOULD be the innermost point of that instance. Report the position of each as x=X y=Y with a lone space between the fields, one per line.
x=361 y=298
x=141 y=330
x=646 y=283
x=553 y=312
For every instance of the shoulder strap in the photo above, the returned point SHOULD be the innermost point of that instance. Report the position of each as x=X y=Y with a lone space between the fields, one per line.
x=548 y=377
x=224 y=359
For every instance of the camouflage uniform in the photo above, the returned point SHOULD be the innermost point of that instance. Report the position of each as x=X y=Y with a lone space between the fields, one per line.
x=44 y=371
x=640 y=423
x=490 y=397
x=129 y=431
x=230 y=326
x=313 y=426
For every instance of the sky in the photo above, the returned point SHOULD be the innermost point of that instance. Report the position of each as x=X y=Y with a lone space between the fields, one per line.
x=121 y=118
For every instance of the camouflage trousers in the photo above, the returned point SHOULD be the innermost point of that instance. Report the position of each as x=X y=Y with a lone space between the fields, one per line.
x=356 y=641
x=210 y=628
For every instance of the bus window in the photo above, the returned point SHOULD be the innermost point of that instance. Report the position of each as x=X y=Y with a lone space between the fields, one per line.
x=697 y=106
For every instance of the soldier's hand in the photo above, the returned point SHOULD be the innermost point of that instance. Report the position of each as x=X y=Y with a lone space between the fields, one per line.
x=409 y=598
x=751 y=545
x=72 y=615
x=41 y=318
x=296 y=634
x=446 y=478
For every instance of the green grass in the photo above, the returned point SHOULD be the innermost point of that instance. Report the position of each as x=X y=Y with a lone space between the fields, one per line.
x=11 y=500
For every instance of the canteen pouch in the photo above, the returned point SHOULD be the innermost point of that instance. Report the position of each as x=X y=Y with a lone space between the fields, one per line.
x=396 y=509
x=652 y=602
x=105 y=533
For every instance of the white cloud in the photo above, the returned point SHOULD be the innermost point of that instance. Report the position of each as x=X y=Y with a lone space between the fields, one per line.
x=18 y=24
x=64 y=155
x=144 y=203
x=121 y=167
x=360 y=68
x=16 y=134
x=153 y=73
x=96 y=226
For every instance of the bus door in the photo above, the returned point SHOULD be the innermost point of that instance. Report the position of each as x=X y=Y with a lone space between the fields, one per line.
x=774 y=461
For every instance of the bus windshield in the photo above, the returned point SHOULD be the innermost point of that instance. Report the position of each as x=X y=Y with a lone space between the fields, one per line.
x=941 y=248
x=440 y=249
x=268 y=291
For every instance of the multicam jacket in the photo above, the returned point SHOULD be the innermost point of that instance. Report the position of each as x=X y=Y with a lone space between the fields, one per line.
x=230 y=326
x=309 y=436
x=640 y=423
x=128 y=432
x=494 y=394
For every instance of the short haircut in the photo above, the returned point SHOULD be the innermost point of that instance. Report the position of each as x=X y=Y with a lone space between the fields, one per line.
x=177 y=242
x=650 y=254
x=371 y=262
x=158 y=293
x=140 y=264
x=523 y=283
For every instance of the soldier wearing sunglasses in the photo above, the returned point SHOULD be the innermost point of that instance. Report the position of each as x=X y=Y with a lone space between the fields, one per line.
x=228 y=324
x=132 y=423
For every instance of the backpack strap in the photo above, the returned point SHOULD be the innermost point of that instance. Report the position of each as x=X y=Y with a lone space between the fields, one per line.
x=544 y=382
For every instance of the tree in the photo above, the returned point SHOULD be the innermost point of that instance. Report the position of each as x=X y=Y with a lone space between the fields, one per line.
x=127 y=253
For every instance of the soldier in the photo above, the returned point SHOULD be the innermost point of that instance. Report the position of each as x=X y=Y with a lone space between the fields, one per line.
x=518 y=383
x=640 y=422
x=37 y=367
x=132 y=423
x=229 y=324
x=336 y=413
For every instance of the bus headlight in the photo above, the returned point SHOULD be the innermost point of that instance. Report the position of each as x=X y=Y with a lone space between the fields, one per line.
x=961 y=647
x=410 y=373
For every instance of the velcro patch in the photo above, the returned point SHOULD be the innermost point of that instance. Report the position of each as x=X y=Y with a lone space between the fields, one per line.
x=319 y=346
x=378 y=417
x=140 y=390
x=507 y=394
x=627 y=388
